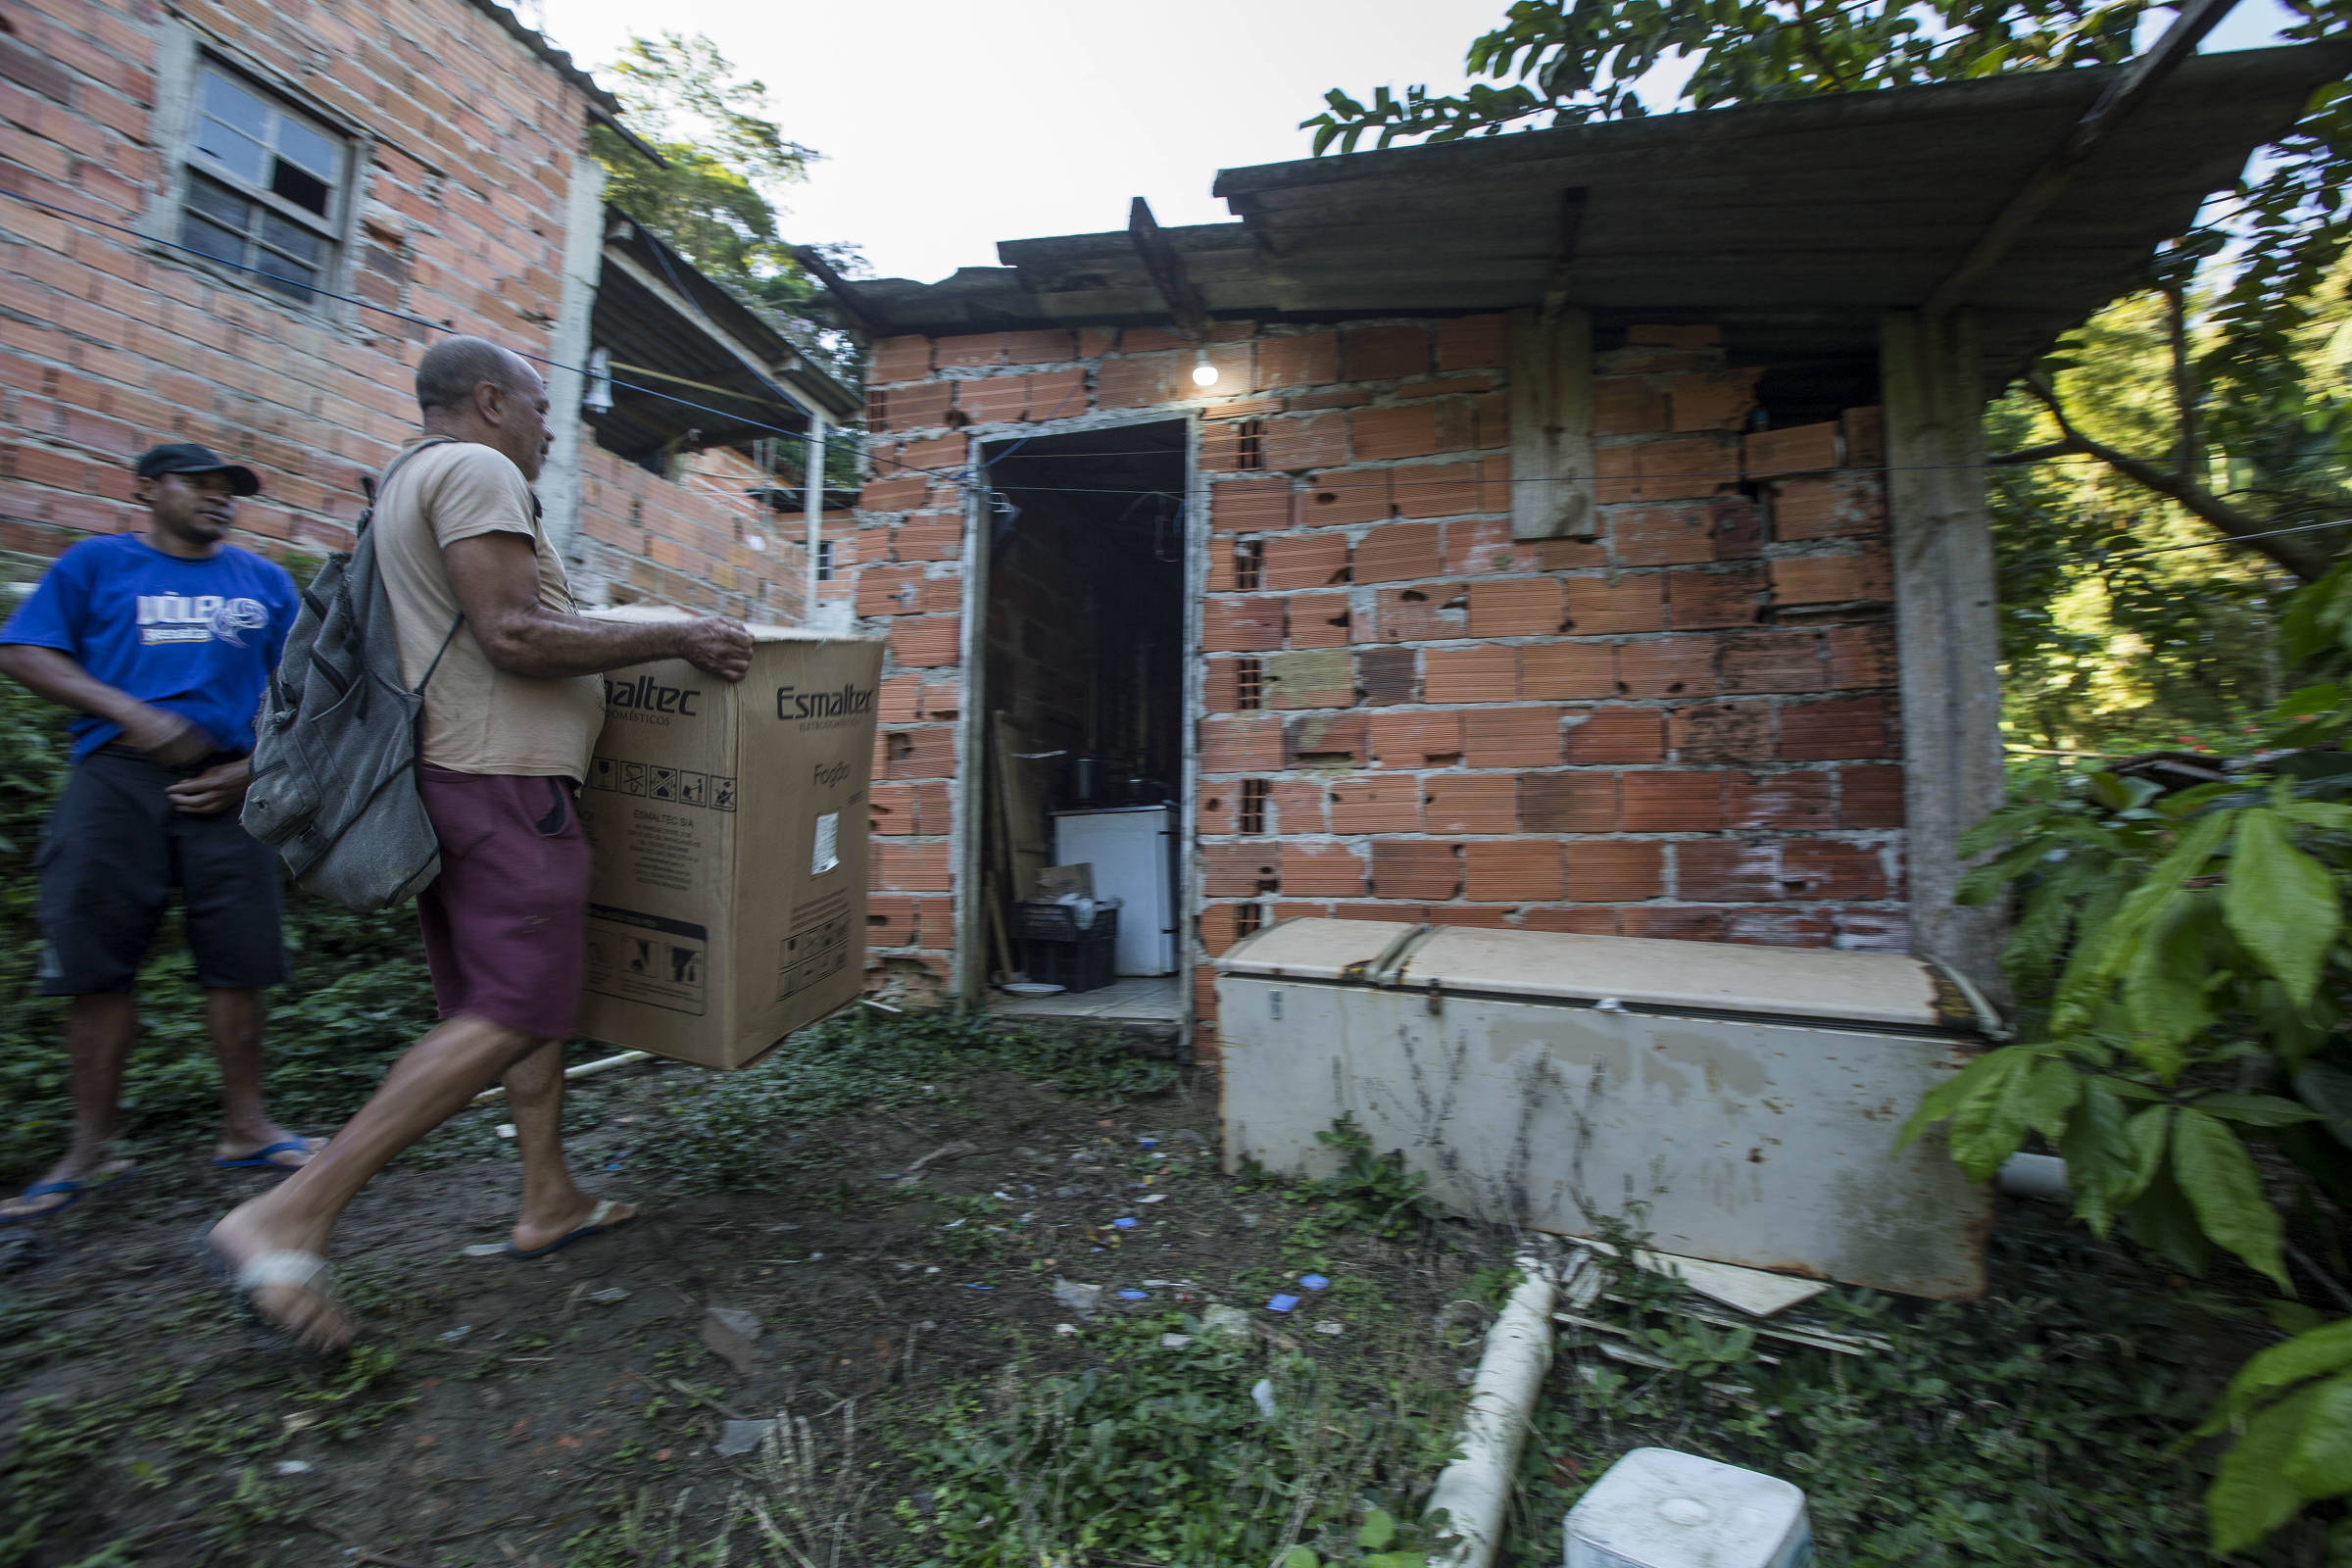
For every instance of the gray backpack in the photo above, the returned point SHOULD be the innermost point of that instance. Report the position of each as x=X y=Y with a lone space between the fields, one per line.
x=335 y=750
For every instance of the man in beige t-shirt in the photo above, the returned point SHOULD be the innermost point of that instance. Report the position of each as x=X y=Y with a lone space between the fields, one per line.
x=513 y=701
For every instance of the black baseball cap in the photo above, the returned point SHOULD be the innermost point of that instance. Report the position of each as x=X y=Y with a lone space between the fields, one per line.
x=186 y=457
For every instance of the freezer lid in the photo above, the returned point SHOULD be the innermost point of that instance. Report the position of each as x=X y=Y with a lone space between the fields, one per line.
x=1887 y=989
x=1879 y=988
x=1316 y=949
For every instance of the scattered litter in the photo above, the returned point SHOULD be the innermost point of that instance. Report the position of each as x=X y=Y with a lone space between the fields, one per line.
x=969 y=1285
x=773 y=1229
x=1001 y=1198
x=1174 y=1341
x=294 y=1467
x=486 y=1249
x=1083 y=1299
x=1313 y=1281
x=1065 y=1328
x=609 y=1295
x=1262 y=1394
x=1630 y=1357
x=1282 y=1303
x=945 y=1151
x=1124 y=1223
x=1330 y=1328
x=1152 y=1197
x=888 y=1176
x=618 y=1155
x=932 y=1270
x=505 y=1129
x=1752 y=1291
x=1167 y=1285
x=1185 y=1135
x=742 y=1436
x=1148 y=1143
x=816 y=1258
x=1135 y=1296
x=905 y=1269
x=456 y=1334
x=1221 y=1322
x=1252 y=1220
x=728 y=1332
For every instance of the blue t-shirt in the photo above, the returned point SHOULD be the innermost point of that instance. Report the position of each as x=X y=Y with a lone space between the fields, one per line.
x=198 y=638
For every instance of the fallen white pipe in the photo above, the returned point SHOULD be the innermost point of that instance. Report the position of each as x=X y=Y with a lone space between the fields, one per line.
x=1475 y=1490
x=586 y=1070
x=2032 y=1176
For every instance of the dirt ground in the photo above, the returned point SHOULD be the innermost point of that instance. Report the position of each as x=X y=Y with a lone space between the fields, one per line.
x=526 y=1412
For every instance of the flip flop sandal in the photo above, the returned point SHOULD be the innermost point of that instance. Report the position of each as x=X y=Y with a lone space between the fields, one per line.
x=290 y=1271
x=260 y=1158
x=75 y=1192
x=600 y=1219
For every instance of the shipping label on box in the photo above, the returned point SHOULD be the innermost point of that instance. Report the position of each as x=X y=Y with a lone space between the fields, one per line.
x=728 y=905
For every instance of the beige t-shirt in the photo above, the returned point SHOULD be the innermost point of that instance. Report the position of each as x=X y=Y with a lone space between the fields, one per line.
x=478 y=718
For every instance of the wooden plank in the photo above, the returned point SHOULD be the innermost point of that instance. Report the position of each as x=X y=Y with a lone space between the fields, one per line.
x=1026 y=836
x=1552 y=425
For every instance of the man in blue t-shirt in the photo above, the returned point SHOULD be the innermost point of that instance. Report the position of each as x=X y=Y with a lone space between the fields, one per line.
x=163 y=640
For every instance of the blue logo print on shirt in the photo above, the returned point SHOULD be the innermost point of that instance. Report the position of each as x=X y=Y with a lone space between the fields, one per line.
x=180 y=618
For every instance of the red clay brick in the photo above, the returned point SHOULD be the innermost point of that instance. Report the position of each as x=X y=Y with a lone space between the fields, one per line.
x=1045 y=347
x=1416 y=868
x=1321 y=871
x=1712 y=399
x=1140 y=380
x=1422 y=613
x=1860 y=729
x=1672 y=803
x=1416 y=739
x=1617 y=735
x=1598 y=606
x=1511 y=737
x=1376 y=803
x=990 y=399
x=1869 y=796
x=1486 y=674
x=1614 y=872
x=1722 y=732
x=923 y=752
x=1678 y=665
x=1799 y=449
x=1494 y=917
x=1512 y=870
x=1349 y=495
x=1587 y=922
x=1627 y=405
x=1774 y=662
x=900 y=701
x=1240 y=870
x=1696 y=599
x=928 y=539
x=1299 y=806
x=1672 y=922
x=1517 y=607
x=1307 y=561
x=1567 y=671
x=889 y=590
x=1865 y=431
x=1442 y=489
x=969 y=351
x=1249 y=506
x=1469 y=803
x=1675 y=535
x=1240 y=745
x=1411 y=431
x=1568 y=802
x=1389 y=676
x=1780 y=802
x=911 y=867
x=927 y=642
x=1319 y=679
x=900 y=359
x=1242 y=625
x=1823 y=580
x=1727 y=870
x=1321 y=621
x=1827 y=868
x=1384 y=353
x=1862 y=656
x=1778 y=928
x=1825 y=505
x=1312 y=739
x=1401 y=552
x=1872 y=930
x=1686 y=465
x=1057 y=394
x=919 y=407
x=1476 y=546
x=1473 y=343
x=1684 y=336
x=1305 y=358
x=890 y=808
x=1306 y=441
x=1217 y=811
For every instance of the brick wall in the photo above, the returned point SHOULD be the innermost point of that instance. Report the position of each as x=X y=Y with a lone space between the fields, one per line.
x=109 y=345
x=1683 y=728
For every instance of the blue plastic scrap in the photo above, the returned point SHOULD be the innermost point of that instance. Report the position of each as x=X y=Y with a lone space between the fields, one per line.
x=1135 y=1296
x=1282 y=1303
x=1124 y=1224
x=1313 y=1281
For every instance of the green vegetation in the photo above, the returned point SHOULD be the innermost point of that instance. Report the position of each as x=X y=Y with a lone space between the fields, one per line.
x=1164 y=1454
x=2041 y=1425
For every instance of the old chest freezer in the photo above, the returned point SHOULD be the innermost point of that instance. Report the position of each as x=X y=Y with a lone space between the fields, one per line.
x=1736 y=1103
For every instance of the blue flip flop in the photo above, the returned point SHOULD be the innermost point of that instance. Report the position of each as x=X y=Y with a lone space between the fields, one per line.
x=260 y=1158
x=74 y=1193
x=600 y=1219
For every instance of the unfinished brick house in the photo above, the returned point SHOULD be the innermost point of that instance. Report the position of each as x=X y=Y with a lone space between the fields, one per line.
x=267 y=166
x=1584 y=529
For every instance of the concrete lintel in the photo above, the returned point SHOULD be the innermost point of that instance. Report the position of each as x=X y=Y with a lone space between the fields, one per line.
x=1947 y=627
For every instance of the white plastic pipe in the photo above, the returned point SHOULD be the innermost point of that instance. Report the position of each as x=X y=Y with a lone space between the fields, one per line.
x=1475 y=1491
x=586 y=1070
x=2032 y=1176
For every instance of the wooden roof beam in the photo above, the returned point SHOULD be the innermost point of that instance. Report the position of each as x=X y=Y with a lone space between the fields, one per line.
x=1166 y=271
x=2130 y=88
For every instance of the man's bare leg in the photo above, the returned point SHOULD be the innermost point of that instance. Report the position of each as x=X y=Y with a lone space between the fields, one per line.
x=552 y=1201
x=429 y=1084
x=233 y=1017
x=99 y=1032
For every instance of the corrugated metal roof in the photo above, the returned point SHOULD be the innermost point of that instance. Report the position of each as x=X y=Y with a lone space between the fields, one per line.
x=1795 y=225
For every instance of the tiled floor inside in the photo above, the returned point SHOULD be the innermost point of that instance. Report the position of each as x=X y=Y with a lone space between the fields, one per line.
x=1151 y=999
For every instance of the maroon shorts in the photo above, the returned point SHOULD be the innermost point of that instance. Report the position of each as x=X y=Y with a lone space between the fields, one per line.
x=506 y=923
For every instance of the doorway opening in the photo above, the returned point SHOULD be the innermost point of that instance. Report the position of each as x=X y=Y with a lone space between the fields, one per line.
x=1083 y=684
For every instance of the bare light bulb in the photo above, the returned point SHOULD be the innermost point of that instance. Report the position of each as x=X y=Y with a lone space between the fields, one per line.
x=1204 y=373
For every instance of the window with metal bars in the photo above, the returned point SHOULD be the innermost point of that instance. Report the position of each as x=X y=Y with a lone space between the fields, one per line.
x=824 y=561
x=265 y=185
x=1249 y=683
x=1250 y=565
x=1248 y=918
x=1250 y=444
x=1251 y=815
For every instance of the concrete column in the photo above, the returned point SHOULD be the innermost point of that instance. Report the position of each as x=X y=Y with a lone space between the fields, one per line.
x=1946 y=624
x=583 y=264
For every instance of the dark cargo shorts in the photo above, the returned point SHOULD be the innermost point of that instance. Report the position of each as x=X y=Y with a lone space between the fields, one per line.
x=505 y=922
x=115 y=852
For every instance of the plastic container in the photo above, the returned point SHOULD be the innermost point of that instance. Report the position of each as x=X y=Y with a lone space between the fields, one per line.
x=1089 y=965
x=1035 y=920
x=1657 y=1508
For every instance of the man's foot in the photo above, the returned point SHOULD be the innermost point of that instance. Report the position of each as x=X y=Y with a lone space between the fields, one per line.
x=275 y=1150
x=532 y=1238
x=283 y=1280
x=68 y=1180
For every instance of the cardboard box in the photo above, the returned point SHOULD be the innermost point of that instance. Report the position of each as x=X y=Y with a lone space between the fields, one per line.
x=728 y=906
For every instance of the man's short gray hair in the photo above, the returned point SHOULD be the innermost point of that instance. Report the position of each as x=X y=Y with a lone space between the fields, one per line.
x=454 y=367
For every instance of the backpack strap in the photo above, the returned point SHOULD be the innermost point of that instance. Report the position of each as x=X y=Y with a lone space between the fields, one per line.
x=436 y=663
x=372 y=488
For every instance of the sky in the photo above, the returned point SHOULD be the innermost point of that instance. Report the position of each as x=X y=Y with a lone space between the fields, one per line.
x=947 y=126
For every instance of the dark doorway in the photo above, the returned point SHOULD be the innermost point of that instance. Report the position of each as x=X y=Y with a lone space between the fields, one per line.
x=1084 y=693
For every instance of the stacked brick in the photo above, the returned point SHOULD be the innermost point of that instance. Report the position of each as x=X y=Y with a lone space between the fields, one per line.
x=1683 y=726
x=688 y=538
